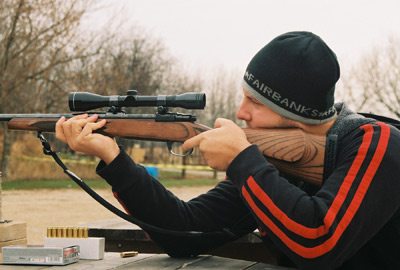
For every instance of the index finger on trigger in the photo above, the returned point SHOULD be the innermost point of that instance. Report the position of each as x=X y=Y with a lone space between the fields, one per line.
x=191 y=143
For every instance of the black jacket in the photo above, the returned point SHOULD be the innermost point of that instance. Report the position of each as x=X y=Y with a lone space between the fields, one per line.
x=351 y=222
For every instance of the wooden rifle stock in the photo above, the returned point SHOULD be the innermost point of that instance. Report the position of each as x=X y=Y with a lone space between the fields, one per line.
x=292 y=151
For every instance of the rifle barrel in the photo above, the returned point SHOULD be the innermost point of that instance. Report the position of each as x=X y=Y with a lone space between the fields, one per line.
x=102 y=115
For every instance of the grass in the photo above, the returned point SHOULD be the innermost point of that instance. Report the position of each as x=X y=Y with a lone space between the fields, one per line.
x=168 y=179
x=50 y=183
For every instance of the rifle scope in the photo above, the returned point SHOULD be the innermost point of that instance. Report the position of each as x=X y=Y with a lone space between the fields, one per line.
x=84 y=101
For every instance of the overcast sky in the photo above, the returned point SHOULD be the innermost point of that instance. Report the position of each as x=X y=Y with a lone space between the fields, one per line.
x=209 y=33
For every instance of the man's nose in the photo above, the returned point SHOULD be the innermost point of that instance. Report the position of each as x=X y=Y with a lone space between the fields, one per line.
x=242 y=113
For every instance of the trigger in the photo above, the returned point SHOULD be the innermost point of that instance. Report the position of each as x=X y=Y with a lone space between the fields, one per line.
x=187 y=153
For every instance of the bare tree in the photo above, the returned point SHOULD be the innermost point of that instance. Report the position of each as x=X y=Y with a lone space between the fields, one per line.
x=38 y=41
x=373 y=85
x=223 y=96
x=139 y=62
x=135 y=61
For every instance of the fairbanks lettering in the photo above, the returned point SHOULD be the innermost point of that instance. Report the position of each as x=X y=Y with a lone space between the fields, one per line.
x=249 y=76
x=293 y=105
x=285 y=102
x=290 y=104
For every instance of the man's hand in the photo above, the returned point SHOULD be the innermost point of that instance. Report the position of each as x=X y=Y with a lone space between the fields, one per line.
x=77 y=132
x=220 y=145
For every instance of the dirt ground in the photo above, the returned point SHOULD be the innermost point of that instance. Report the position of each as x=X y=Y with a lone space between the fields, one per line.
x=44 y=208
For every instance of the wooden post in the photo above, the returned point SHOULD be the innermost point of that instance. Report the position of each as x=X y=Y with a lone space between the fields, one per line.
x=12 y=233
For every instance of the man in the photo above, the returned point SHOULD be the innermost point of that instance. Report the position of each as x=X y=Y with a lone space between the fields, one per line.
x=351 y=222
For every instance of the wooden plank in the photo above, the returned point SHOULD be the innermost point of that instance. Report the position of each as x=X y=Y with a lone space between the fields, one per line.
x=12 y=231
x=22 y=241
x=261 y=266
x=219 y=263
x=161 y=261
x=122 y=225
x=121 y=235
x=110 y=261
x=24 y=267
x=256 y=252
x=152 y=261
x=205 y=262
x=115 y=223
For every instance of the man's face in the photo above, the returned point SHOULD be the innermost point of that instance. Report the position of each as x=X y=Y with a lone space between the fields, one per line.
x=257 y=115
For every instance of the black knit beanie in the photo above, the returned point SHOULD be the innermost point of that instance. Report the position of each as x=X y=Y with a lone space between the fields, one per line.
x=295 y=75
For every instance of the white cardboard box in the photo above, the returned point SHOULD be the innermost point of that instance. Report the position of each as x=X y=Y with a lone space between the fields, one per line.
x=91 y=248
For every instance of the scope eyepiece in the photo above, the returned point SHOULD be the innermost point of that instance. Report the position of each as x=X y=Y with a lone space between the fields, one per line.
x=84 y=101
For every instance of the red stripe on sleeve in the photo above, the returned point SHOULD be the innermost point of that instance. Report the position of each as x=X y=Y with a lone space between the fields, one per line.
x=126 y=209
x=313 y=233
x=121 y=202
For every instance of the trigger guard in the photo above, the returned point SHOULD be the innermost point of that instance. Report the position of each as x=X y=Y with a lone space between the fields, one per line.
x=187 y=153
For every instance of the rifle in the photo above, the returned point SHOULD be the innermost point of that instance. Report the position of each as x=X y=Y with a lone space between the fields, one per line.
x=292 y=151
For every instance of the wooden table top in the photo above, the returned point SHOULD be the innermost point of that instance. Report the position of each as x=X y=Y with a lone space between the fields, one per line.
x=112 y=260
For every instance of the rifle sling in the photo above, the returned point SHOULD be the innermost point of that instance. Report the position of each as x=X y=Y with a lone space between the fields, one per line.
x=225 y=232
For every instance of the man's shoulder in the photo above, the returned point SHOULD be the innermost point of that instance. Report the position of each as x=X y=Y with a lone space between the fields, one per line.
x=383 y=119
x=347 y=121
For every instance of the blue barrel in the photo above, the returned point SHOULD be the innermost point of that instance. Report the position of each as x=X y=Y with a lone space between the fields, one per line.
x=153 y=171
